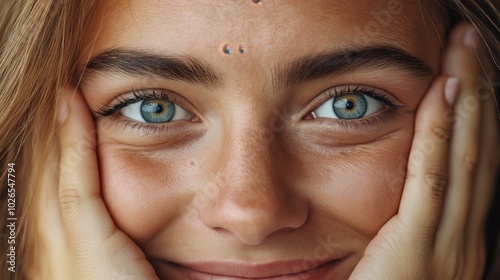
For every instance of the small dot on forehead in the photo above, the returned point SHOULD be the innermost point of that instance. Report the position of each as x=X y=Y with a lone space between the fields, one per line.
x=227 y=49
x=242 y=49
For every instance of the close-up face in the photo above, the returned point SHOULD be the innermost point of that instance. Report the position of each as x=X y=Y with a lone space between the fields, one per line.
x=256 y=139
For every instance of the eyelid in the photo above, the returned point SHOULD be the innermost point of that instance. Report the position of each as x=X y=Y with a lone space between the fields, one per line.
x=375 y=93
x=139 y=95
x=392 y=103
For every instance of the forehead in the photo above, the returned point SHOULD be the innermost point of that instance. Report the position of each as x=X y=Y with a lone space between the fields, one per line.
x=271 y=30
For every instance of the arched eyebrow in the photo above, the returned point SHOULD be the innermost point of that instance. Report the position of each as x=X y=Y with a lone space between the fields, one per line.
x=144 y=64
x=323 y=65
x=194 y=71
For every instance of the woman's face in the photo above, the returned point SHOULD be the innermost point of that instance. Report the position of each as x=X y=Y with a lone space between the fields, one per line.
x=256 y=139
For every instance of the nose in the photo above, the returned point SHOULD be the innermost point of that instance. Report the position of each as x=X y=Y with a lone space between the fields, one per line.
x=253 y=202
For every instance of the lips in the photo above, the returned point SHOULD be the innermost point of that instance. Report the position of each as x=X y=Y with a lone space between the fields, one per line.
x=296 y=269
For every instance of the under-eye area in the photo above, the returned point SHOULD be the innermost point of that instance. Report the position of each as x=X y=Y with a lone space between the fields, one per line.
x=256 y=139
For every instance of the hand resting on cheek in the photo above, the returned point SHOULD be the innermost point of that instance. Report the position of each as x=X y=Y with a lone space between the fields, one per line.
x=435 y=234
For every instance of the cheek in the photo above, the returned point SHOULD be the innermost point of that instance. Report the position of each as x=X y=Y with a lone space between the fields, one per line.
x=141 y=192
x=373 y=188
x=361 y=188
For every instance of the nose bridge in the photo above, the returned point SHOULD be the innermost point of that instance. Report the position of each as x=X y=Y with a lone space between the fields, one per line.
x=252 y=202
x=247 y=153
x=251 y=178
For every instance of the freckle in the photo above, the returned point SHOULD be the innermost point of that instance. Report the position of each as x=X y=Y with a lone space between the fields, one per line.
x=192 y=163
x=227 y=49
x=256 y=1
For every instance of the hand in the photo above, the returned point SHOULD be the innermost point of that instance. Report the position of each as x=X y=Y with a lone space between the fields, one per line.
x=438 y=232
x=96 y=248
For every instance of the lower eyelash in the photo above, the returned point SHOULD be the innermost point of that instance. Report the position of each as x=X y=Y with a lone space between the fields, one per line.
x=370 y=121
x=147 y=128
x=363 y=123
x=142 y=127
x=390 y=110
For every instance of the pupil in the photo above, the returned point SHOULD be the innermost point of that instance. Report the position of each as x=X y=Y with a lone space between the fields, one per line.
x=158 y=108
x=349 y=105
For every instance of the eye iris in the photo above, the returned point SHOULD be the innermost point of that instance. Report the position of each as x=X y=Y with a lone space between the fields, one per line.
x=157 y=110
x=350 y=106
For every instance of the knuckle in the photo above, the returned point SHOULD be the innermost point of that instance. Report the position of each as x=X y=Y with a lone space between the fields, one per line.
x=440 y=133
x=435 y=183
x=469 y=162
x=70 y=199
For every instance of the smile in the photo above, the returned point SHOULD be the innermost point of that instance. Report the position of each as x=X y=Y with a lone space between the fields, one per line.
x=283 y=270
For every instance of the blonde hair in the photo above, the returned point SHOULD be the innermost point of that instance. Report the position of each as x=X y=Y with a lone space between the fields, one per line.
x=39 y=41
x=39 y=46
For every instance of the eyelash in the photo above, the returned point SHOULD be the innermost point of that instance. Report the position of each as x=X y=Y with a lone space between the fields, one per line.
x=140 y=95
x=390 y=101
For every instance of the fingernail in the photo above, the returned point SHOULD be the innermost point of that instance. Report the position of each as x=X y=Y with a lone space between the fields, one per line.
x=451 y=90
x=472 y=38
x=63 y=109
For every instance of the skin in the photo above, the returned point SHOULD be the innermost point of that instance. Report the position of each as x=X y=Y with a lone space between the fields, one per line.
x=270 y=204
x=235 y=196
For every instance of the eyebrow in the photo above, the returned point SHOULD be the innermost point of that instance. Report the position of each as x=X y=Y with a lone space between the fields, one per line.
x=141 y=63
x=192 y=70
x=378 y=57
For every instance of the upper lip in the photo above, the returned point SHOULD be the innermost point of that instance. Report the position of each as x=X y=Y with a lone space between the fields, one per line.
x=265 y=270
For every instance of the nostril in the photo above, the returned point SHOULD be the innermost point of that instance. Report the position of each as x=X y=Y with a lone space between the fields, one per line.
x=252 y=223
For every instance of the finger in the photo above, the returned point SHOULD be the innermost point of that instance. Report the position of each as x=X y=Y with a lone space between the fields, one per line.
x=83 y=211
x=482 y=192
x=460 y=61
x=486 y=174
x=489 y=142
x=421 y=202
x=99 y=250
x=52 y=238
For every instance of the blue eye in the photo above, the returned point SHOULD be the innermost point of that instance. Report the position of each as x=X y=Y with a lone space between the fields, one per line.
x=155 y=111
x=348 y=106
